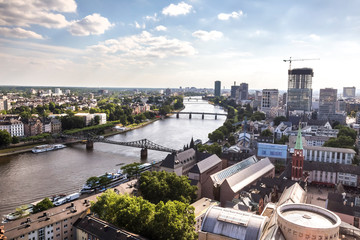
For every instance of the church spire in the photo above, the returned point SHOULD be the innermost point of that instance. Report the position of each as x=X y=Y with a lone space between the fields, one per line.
x=298 y=144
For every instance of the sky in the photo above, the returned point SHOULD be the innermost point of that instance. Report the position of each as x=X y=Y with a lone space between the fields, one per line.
x=190 y=43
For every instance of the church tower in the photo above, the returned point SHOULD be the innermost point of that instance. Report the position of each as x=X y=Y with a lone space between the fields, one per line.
x=297 y=159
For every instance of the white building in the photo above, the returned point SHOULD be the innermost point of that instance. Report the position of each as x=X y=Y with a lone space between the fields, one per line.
x=58 y=91
x=329 y=154
x=13 y=126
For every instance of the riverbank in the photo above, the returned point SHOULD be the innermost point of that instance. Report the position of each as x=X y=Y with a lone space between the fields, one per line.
x=28 y=147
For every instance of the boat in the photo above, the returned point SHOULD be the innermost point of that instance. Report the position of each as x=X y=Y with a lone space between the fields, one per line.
x=27 y=210
x=115 y=178
x=47 y=147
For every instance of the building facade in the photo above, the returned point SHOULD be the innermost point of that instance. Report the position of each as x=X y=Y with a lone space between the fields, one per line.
x=329 y=154
x=327 y=102
x=269 y=100
x=244 y=91
x=217 y=91
x=299 y=94
x=349 y=92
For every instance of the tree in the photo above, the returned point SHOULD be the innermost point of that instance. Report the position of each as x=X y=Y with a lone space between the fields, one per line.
x=284 y=139
x=132 y=169
x=258 y=116
x=97 y=120
x=5 y=138
x=15 y=140
x=279 y=119
x=213 y=149
x=174 y=220
x=92 y=182
x=266 y=133
x=45 y=204
x=165 y=110
x=216 y=135
x=104 y=181
x=231 y=140
x=164 y=186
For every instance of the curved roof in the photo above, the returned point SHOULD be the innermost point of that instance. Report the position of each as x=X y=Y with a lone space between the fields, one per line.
x=233 y=223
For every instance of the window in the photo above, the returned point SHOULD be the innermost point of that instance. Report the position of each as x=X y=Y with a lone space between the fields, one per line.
x=65 y=226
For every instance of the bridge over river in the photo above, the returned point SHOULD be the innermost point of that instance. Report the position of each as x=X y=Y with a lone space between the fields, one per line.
x=199 y=113
x=144 y=144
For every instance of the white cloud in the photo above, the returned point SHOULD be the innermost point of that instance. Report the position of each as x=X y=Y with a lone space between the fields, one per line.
x=144 y=45
x=18 y=33
x=152 y=18
x=160 y=28
x=181 y=8
x=227 y=16
x=137 y=25
x=93 y=24
x=35 y=12
x=314 y=37
x=206 y=36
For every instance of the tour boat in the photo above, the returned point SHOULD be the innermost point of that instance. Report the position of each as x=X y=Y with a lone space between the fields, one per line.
x=47 y=147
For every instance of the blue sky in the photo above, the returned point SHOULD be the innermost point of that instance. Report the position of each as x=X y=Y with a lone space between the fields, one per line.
x=143 y=43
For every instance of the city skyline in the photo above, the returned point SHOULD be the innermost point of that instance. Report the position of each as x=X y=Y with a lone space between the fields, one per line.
x=177 y=43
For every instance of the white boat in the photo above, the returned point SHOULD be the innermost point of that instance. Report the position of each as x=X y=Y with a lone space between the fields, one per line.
x=47 y=147
x=27 y=210
x=115 y=177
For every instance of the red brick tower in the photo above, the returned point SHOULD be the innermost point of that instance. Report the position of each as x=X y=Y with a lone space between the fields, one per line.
x=297 y=159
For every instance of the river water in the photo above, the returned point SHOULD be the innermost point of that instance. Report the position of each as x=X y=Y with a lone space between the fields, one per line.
x=28 y=177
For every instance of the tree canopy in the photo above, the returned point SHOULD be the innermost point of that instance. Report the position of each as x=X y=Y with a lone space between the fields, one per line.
x=345 y=139
x=172 y=220
x=164 y=186
x=279 y=119
x=132 y=169
x=5 y=138
x=266 y=133
x=45 y=204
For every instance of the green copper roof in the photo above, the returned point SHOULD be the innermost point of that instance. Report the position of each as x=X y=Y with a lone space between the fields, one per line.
x=299 y=140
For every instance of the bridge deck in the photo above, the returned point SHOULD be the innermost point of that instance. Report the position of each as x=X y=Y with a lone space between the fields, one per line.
x=200 y=113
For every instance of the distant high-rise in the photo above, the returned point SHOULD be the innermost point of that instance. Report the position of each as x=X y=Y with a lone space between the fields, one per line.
x=270 y=99
x=327 y=102
x=234 y=89
x=299 y=94
x=349 y=92
x=217 y=92
x=244 y=91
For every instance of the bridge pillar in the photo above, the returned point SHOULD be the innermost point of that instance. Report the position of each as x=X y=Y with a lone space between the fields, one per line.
x=143 y=153
x=189 y=115
x=215 y=116
x=177 y=115
x=203 y=116
x=89 y=144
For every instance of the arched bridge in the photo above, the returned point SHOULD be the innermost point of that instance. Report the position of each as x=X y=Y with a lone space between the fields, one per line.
x=199 y=113
x=144 y=144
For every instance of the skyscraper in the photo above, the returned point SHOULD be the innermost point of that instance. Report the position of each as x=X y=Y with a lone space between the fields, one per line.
x=299 y=94
x=349 y=92
x=217 y=92
x=244 y=91
x=327 y=102
x=234 y=89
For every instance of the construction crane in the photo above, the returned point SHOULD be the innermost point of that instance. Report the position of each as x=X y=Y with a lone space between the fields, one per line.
x=290 y=60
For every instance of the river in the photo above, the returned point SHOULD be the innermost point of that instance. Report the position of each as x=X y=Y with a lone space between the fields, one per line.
x=28 y=177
